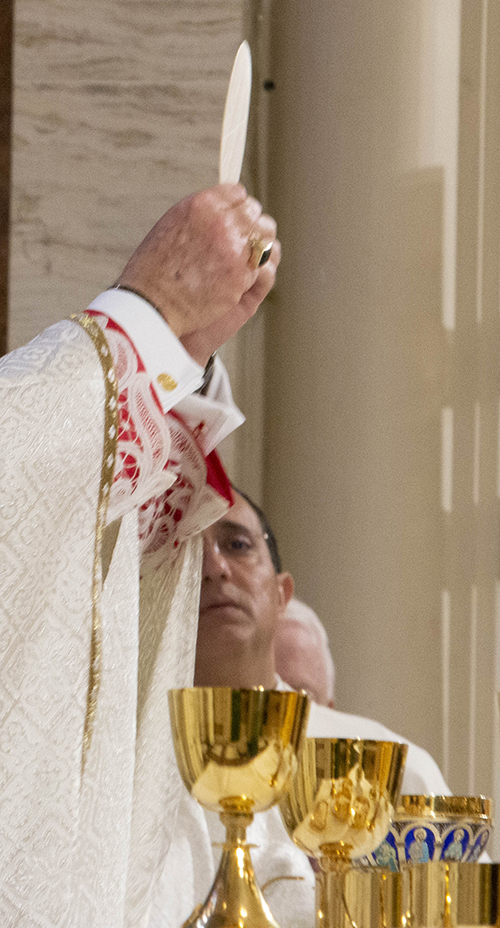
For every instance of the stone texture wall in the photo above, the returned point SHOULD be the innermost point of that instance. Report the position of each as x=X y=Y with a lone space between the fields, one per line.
x=117 y=113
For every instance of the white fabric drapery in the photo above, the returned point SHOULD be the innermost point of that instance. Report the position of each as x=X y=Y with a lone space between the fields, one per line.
x=81 y=848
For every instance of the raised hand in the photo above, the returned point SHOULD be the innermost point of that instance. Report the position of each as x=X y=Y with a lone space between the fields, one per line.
x=196 y=266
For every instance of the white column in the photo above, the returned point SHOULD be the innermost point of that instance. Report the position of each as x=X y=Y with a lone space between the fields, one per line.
x=363 y=162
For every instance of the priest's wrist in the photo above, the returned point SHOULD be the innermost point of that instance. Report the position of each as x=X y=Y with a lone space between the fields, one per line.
x=201 y=357
x=169 y=316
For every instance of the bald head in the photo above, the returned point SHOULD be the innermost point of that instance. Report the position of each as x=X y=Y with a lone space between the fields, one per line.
x=302 y=653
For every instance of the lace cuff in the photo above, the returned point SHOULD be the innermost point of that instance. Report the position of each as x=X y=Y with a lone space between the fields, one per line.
x=160 y=468
x=143 y=439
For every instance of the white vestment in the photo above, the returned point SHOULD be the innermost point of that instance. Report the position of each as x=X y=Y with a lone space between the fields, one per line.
x=192 y=861
x=84 y=831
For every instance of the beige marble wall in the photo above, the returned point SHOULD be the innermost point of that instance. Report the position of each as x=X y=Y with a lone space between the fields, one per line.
x=117 y=113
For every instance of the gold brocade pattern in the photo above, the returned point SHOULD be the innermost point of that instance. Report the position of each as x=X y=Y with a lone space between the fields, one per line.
x=110 y=442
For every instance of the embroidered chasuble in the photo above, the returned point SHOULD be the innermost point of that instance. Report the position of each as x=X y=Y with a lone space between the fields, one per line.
x=89 y=783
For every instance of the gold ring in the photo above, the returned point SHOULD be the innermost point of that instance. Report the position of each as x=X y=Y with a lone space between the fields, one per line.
x=260 y=252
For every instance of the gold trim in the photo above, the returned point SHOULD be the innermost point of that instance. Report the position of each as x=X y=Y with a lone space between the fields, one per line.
x=95 y=333
x=443 y=806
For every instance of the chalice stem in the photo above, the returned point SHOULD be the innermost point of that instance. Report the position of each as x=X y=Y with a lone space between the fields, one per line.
x=235 y=899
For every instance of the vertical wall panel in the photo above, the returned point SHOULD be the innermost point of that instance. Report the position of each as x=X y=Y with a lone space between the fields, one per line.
x=471 y=541
x=461 y=387
x=355 y=348
x=488 y=389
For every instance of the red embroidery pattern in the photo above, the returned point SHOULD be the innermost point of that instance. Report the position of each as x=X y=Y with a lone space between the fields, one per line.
x=152 y=449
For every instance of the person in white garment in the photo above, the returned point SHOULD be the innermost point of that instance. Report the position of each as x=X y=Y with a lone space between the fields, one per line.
x=302 y=653
x=244 y=596
x=108 y=476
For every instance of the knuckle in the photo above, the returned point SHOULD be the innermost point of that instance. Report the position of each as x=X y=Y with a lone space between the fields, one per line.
x=271 y=225
x=205 y=202
x=224 y=236
x=236 y=192
x=253 y=203
x=254 y=210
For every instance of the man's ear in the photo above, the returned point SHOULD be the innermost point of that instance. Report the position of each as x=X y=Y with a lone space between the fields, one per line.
x=286 y=587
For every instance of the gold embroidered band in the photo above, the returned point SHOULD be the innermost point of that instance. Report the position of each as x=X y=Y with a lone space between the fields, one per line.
x=95 y=333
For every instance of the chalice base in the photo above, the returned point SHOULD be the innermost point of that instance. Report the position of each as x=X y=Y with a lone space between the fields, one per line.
x=235 y=899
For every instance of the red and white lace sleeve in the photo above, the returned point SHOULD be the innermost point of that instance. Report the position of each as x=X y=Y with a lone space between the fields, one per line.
x=159 y=467
x=143 y=438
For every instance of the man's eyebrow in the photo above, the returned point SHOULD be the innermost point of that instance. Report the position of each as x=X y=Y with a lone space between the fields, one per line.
x=237 y=526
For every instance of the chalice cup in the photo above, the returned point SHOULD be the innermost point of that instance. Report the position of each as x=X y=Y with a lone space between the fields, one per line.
x=237 y=750
x=339 y=807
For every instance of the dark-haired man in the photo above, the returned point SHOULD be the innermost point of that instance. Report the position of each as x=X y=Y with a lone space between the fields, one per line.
x=244 y=594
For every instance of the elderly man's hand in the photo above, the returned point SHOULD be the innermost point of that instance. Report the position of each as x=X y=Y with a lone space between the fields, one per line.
x=195 y=267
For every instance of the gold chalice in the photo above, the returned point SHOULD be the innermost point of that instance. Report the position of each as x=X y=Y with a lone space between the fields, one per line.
x=339 y=806
x=236 y=751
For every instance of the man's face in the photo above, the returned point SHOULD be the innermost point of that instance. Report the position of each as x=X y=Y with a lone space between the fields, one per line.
x=242 y=597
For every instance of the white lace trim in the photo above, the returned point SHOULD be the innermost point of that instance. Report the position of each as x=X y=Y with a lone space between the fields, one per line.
x=186 y=508
x=160 y=467
x=143 y=443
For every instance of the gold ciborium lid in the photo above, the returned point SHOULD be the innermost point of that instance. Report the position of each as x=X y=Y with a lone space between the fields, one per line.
x=477 y=808
x=342 y=798
x=236 y=752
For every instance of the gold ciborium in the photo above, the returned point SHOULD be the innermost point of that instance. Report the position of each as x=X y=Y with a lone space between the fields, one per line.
x=236 y=752
x=339 y=807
